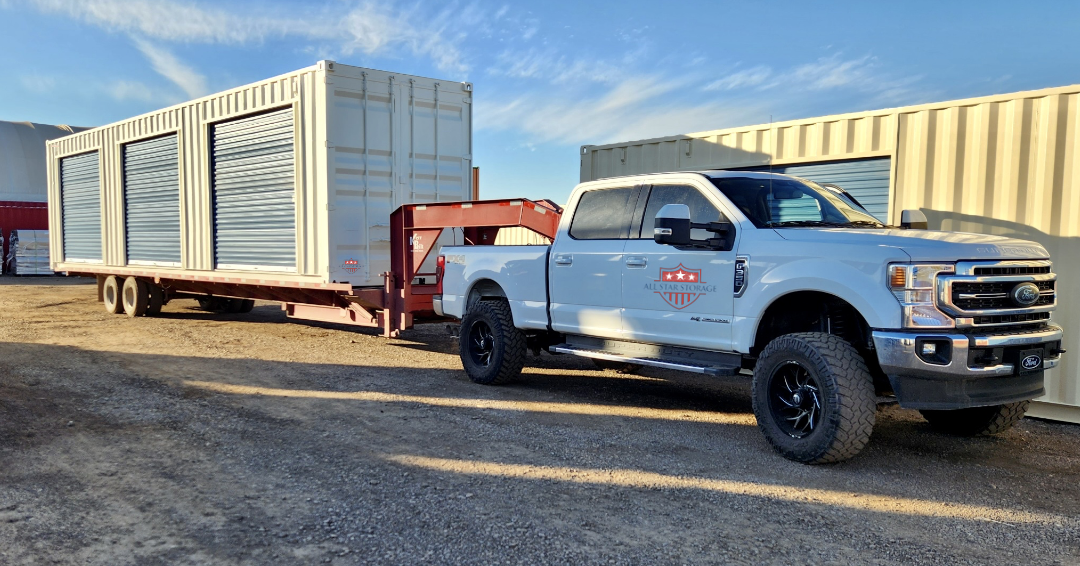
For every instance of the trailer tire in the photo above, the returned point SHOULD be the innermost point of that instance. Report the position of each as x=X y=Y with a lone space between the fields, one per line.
x=807 y=376
x=135 y=296
x=977 y=421
x=209 y=303
x=245 y=305
x=492 y=349
x=157 y=299
x=110 y=294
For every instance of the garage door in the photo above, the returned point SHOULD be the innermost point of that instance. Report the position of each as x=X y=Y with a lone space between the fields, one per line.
x=255 y=193
x=80 y=202
x=866 y=179
x=152 y=201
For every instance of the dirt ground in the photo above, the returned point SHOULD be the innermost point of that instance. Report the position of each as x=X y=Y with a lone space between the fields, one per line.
x=200 y=438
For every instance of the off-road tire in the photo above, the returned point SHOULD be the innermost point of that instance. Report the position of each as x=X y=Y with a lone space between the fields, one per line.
x=977 y=421
x=846 y=390
x=135 y=297
x=157 y=299
x=507 y=348
x=621 y=367
x=110 y=293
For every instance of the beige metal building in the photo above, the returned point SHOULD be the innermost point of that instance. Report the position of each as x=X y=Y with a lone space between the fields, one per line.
x=1006 y=165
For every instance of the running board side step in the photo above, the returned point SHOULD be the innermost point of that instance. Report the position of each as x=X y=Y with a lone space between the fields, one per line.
x=654 y=362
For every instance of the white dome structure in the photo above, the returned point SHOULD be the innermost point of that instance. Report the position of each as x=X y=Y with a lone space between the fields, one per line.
x=22 y=159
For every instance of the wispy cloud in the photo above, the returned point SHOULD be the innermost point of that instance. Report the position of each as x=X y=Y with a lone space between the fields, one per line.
x=124 y=91
x=741 y=79
x=39 y=84
x=368 y=27
x=167 y=65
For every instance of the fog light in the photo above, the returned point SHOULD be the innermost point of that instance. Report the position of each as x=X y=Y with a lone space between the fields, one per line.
x=937 y=351
x=929 y=349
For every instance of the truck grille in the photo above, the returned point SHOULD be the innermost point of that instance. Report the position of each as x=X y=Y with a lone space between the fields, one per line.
x=995 y=295
x=980 y=293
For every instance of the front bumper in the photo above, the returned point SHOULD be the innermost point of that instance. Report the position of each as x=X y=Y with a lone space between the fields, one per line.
x=967 y=378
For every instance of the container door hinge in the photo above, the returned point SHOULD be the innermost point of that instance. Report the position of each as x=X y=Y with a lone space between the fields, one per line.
x=467 y=157
x=328 y=144
x=467 y=100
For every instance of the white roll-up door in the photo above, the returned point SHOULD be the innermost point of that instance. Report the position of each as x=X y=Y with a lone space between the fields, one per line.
x=866 y=179
x=152 y=201
x=80 y=201
x=254 y=187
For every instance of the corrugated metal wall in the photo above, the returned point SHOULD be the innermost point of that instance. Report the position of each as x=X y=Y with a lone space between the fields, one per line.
x=152 y=201
x=16 y=215
x=865 y=179
x=1006 y=164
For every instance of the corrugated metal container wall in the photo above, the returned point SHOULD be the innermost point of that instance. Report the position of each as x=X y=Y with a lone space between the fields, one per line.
x=20 y=215
x=1006 y=164
x=80 y=203
x=362 y=142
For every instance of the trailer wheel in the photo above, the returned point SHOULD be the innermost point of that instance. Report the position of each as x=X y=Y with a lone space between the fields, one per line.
x=209 y=303
x=110 y=294
x=135 y=296
x=157 y=299
x=814 y=397
x=492 y=349
x=245 y=305
x=977 y=421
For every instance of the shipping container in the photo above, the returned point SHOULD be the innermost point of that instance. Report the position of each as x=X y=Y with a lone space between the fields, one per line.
x=1007 y=165
x=292 y=179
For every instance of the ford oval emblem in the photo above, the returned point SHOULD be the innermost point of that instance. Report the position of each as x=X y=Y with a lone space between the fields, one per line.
x=1033 y=361
x=1025 y=294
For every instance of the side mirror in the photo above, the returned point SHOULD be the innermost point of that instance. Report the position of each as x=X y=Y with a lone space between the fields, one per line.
x=913 y=220
x=672 y=225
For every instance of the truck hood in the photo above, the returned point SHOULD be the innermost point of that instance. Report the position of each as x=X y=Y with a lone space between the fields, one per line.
x=924 y=245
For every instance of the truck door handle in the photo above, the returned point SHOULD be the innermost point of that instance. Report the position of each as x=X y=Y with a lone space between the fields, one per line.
x=636 y=262
x=564 y=259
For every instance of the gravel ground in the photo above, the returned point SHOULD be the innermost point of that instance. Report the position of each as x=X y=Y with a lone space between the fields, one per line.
x=198 y=438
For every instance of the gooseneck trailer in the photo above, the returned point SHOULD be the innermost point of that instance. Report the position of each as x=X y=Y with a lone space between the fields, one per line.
x=283 y=190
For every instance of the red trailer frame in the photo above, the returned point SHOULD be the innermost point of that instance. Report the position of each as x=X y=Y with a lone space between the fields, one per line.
x=406 y=294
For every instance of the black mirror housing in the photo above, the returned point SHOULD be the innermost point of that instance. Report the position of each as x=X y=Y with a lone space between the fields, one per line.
x=672 y=225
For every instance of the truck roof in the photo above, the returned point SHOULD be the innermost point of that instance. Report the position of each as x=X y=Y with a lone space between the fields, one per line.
x=711 y=173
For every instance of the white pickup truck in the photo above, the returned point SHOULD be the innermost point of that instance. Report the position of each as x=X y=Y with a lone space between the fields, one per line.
x=718 y=272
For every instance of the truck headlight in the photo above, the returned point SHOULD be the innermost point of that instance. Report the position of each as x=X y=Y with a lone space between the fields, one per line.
x=913 y=285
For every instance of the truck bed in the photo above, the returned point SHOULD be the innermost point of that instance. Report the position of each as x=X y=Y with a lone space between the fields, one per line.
x=520 y=270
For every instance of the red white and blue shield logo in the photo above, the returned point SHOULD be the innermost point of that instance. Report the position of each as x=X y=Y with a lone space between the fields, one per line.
x=682 y=286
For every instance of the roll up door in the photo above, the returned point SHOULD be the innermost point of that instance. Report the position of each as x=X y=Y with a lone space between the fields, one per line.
x=866 y=179
x=152 y=201
x=80 y=201
x=254 y=193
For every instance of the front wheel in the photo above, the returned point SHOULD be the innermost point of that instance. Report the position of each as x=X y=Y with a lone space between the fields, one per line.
x=492 y=349
x=814 y=398
x=977 y=421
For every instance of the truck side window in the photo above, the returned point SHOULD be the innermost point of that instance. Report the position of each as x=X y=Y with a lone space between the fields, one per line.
x=701 y=210
x=602 y=215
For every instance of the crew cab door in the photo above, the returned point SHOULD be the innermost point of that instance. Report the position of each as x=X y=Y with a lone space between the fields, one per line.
x=672 y=296
x=585 y=273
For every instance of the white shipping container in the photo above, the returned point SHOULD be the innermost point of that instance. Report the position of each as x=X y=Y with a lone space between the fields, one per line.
x=290 y=179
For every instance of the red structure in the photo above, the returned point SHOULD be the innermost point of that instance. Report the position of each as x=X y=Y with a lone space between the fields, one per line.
x=18 y=215
x=406 y=294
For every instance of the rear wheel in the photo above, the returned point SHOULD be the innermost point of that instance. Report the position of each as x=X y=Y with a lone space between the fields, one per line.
x=814 y=398
x=245 y=305
x=492 y=349
x=135 y=296
x=977 y=421
x=110 y=292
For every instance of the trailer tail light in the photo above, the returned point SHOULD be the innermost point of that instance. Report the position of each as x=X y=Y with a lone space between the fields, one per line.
x=440 y=268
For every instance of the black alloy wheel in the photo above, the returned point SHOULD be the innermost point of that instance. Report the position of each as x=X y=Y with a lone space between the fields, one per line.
x=481 y=343
x=795 y=399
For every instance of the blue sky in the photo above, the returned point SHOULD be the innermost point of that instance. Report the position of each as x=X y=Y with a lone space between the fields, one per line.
x=550 y=76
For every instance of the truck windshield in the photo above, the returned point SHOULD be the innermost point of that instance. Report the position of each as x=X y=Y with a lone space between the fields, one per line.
x=791 y=203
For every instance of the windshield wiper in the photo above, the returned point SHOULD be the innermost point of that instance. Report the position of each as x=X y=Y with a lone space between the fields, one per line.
x=825 y=223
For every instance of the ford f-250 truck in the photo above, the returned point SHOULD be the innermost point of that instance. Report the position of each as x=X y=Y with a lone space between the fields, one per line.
x=722 y=271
